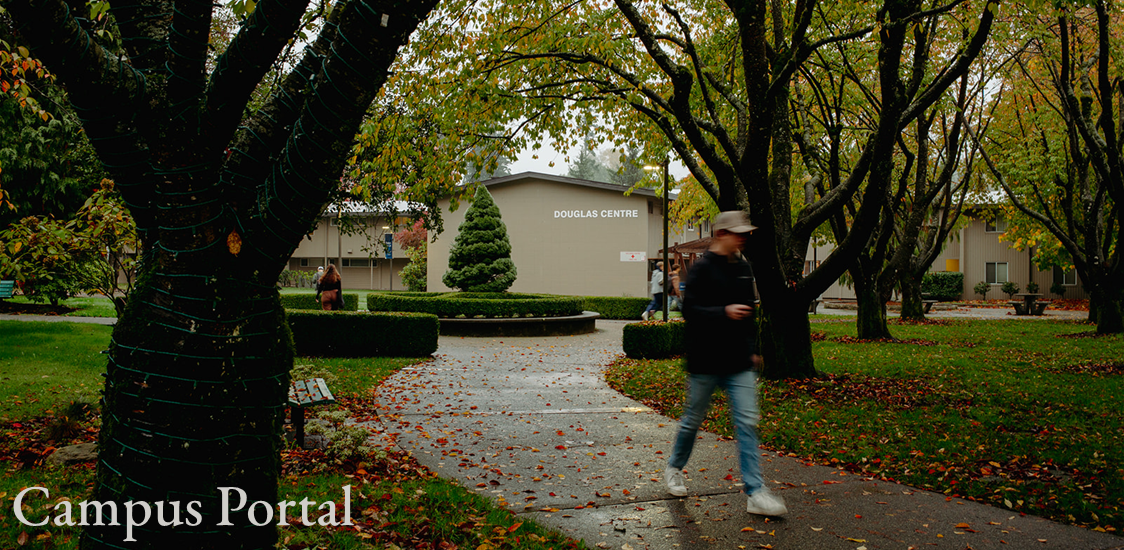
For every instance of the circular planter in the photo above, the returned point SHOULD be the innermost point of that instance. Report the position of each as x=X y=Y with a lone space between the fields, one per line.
x=568 y=325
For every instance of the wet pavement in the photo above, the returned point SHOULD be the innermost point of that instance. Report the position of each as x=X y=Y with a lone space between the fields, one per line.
x=529 y=423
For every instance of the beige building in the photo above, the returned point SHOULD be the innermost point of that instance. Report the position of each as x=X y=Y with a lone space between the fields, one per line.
x=977 y=252
x=571 y=236
x=357 y=247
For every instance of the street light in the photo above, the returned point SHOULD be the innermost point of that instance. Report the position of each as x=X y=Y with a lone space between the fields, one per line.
x=666 y=265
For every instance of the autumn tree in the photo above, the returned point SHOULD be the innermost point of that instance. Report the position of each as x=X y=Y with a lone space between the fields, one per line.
x=1055 y=150
x=713 y=83
x=198 y=365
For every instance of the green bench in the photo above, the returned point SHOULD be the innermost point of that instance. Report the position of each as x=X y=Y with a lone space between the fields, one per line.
x=7 y=289
x=304 y=394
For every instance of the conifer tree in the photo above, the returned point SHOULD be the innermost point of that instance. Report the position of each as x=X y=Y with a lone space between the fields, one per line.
x=480 y=260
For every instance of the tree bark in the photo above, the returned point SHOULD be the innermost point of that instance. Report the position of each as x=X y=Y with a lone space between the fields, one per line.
x=910 y=287
x=871 y=320
x=194 y=400
x=786 y=338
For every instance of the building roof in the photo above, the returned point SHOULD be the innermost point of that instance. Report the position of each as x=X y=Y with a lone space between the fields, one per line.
x=572 y=181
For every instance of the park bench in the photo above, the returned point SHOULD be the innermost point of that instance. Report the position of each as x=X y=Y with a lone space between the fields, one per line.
x=926 y=305
x=813 y=306
x=1019 y=305
x=7 y=289
x=304 y=394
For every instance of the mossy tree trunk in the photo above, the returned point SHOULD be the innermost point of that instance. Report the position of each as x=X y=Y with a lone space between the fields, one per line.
x=912 y=307
x=198 y=364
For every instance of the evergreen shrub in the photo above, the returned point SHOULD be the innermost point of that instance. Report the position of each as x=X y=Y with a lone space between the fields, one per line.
x=332 y=334
x=1010 y=288
x=981 y=288
x=476 y=304
x=480 y=259
x=1059 y=289
x=615 y=307
x=943 y=285
x=309 y=301
x=653 y=339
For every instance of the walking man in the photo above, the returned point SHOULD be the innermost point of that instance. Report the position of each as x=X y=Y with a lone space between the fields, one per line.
x=722 y=352
x=656 y=289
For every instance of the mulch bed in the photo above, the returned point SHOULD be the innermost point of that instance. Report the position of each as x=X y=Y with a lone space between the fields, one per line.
x=14 y=308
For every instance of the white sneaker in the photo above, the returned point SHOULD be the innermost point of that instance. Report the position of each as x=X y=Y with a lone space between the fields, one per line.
x=674 y=479
x=764 y=502
x=644 y=316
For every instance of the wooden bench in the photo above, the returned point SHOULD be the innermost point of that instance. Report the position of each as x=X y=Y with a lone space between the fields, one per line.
x=304 y=394
x=7 y=289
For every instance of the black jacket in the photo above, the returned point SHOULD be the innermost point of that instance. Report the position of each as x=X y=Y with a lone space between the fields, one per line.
x=715 y=343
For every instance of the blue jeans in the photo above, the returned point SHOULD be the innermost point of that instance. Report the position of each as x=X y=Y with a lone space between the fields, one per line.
x=656 y=304
x=741 y=391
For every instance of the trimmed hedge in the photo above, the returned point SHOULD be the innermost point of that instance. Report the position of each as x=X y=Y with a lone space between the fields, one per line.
x=615 y=307
x=475 y=304
x=945 y=286
x=308 y=301
x=654 y=339
x=344 y=334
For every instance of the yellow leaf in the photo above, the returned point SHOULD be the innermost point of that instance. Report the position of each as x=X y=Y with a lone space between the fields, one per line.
x=963 y=526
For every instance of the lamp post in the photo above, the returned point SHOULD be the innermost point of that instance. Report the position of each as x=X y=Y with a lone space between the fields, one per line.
x=666 y=265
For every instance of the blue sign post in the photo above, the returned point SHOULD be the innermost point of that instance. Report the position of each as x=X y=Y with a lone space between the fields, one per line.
x=390 y=246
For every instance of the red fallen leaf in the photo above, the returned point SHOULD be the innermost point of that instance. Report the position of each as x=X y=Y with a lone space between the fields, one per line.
x=513 y=528
x=560 y=447
x=827 y=482
x=560 y=432
x=22 y=538
x=857 y=516
x=729 y=477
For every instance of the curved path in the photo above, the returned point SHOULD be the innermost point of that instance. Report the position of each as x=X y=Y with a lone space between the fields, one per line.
x=530 y=423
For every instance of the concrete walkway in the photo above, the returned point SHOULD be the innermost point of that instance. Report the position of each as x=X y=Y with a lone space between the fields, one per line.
x=530 y=423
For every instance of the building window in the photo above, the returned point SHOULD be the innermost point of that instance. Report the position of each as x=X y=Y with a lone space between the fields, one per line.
x=997 y=225
x=1066 y=277
x=359 y=262
x=705 y=226
x=304 y=262
x=996 y=272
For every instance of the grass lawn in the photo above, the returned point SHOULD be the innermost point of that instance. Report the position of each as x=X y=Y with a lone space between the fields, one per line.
x=395 y=501
x=1022 y=415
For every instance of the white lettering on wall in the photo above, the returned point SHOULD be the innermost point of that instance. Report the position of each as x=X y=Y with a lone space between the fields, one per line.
x=596 y=214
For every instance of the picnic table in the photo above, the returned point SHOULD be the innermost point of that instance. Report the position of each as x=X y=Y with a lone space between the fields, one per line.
x=1028 y=304
x=304 y=394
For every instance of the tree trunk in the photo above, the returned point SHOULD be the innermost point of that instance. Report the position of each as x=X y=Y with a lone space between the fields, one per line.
x=194 y=400
x=786 y=339
x=912 y=308
x=872 y=311
x=1109 y=309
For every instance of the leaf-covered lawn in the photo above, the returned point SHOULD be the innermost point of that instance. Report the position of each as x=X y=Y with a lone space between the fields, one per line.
x=396 y=502
x=1020 y=414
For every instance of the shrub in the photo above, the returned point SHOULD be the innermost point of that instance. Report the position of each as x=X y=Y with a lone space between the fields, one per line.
x=297 y=278
x=653 y=340
x=943 y=285
x=1059 y=289
x=415 y=273
x=480 y=260
x=981 y=288
x=1010 y=288
x=615 y=307
x=331 y=334
x=309 y=301
x=448 y=305
x=1032 y=287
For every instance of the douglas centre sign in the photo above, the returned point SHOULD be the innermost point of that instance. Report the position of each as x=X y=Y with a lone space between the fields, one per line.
x=596 y=213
